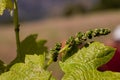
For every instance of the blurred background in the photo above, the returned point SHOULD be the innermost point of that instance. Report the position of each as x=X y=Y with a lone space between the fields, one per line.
x=56 y=20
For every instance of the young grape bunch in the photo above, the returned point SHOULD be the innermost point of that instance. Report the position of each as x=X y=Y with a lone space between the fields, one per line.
x=67 y=49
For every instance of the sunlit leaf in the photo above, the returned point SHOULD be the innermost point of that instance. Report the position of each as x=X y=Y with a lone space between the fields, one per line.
x=30 y=65
x=84 y=63
x=5 y=4
x=32 y=69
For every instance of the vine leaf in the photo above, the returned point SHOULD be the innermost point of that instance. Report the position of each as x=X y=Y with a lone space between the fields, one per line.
x=2 y=66
x=29 y=46
x=32 y=69
x=84 y=63
x=30 y=65
x=5 y=4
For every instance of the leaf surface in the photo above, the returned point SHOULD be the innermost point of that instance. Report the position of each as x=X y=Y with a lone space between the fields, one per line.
x=84 y=63
x=30 y=65
x=2 y=66
x=32 y=69
x=29 y=46
x=5 y=4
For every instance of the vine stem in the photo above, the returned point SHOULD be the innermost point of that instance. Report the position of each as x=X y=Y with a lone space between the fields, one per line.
x=17 y=25
x=16 y=28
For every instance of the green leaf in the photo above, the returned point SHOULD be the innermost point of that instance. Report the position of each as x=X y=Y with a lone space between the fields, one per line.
x=41 y=46
x=32 y=69
x=2 y=66
x=84 y=63
x=31 y=62
x=5 y=4
x=30 y=46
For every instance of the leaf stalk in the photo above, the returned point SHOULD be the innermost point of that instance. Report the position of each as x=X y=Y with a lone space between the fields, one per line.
x=17 y=25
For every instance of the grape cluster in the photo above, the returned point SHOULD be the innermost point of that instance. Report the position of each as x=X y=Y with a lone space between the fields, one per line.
x=76 y=41
x=81 y=37
x=55 y=51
